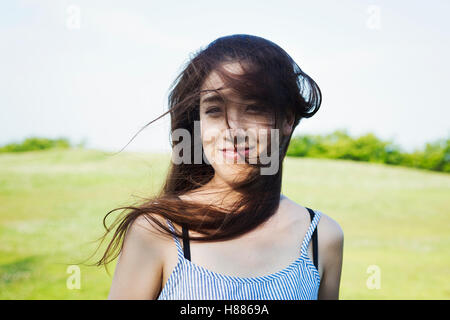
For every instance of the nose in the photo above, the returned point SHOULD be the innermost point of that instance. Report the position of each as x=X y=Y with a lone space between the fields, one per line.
x=235 y=127
x=234 y=120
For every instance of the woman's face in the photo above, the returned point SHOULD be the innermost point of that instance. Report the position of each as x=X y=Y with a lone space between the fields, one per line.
x=222 y=121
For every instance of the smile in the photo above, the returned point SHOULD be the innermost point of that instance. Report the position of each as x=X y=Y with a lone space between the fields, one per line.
x=231 y=153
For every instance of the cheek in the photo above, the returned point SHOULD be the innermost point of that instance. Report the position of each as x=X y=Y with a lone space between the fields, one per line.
x=209 y=134
x=266 y=138
x=210 y=137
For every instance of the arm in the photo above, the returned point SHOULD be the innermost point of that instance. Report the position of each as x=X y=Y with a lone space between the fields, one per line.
x=138 y=271
x=331 y=244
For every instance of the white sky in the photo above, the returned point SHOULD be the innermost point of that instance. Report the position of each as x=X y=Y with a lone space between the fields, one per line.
x=385 y=73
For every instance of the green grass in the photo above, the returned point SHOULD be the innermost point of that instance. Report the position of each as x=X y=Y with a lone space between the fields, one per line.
x=53 y=203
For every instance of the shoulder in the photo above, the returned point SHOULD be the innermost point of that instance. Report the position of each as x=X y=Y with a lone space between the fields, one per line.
x=144 y=235
x=329 y=231
x=140 y=265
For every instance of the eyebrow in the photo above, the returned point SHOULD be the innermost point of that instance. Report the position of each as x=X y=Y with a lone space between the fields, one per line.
x=219 y=99
x=213 y=98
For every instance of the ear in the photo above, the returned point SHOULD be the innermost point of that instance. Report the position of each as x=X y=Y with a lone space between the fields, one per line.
x=288 y=123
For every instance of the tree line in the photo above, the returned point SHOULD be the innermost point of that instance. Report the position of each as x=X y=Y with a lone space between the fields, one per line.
x=339 y=144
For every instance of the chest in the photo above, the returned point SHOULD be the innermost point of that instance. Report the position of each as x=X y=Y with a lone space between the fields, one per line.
x=259 y=253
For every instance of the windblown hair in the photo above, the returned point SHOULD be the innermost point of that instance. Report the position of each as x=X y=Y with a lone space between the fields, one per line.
x=271 y=77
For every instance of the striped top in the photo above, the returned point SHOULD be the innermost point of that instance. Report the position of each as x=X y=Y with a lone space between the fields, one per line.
x=298 y=281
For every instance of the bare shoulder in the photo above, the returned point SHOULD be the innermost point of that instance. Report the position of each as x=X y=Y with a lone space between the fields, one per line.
x=144 y=230
x=140 y=265
x=329 y=230
x=143 y=241
x=145 y=238
x=331 y=233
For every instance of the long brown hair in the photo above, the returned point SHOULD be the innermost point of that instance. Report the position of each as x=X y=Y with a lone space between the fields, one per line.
x=274 y=79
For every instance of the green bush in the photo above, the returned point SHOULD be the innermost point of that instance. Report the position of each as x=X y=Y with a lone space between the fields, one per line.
x=34 y=143
x=340 y=145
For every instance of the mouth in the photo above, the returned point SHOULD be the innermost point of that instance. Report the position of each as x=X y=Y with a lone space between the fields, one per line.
x=234 y=152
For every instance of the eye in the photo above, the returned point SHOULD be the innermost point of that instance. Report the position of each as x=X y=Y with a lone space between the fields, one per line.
x=256 y=108
x=212 y=110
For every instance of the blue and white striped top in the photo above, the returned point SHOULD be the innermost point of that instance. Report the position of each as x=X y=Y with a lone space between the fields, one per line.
x=298 y=281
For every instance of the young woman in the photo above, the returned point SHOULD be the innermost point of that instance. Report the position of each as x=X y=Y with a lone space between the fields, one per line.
x=220 y=227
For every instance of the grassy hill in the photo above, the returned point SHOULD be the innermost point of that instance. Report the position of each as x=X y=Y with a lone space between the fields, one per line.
x=52 y=204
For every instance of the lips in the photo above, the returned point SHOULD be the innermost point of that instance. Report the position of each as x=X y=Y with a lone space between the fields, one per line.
x=233 y=153
x=232 y=149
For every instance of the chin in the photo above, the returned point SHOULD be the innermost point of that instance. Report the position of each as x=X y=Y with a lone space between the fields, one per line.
x=232 y=173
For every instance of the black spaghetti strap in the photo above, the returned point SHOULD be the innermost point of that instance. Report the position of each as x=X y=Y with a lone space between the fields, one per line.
x=186 y=248
x=315 y=247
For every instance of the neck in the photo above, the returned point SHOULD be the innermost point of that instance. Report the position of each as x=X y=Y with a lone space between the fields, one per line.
x=217 y=192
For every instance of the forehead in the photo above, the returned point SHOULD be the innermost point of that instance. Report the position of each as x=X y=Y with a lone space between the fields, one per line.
x=214 y=82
